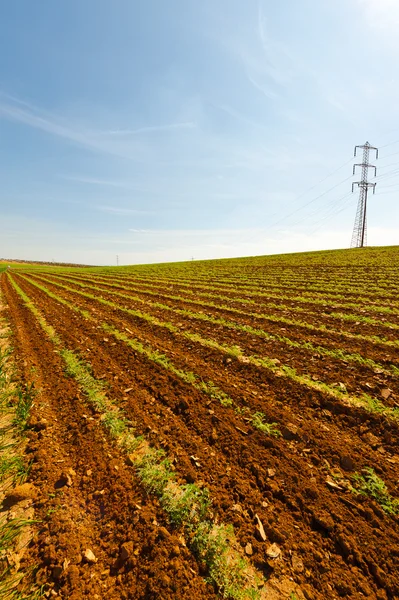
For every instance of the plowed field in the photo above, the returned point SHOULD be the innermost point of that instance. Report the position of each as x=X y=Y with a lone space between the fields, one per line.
x=271 y=386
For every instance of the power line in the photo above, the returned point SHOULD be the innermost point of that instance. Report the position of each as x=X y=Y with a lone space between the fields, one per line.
x=388 y=155
x=327 y=207
x=311 y=201
x=347 y=207
x=390 y=144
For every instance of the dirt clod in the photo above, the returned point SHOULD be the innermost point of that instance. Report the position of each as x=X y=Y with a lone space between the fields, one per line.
x=57 y=572
x=248 y=549
x=324 y=520
x=88 y=556
x=290 y=432
x=297 y=563
x=347 y=463
x=64 y=479
x=385 y=393
x=26 y=491
x=273 y=551
x=126 y=551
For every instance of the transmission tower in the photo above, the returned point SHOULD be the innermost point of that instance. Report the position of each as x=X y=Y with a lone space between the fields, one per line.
x=359 y=236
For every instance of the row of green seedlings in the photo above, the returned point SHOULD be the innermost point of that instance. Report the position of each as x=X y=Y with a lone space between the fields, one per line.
x=364 y=401
x=294 y=277
x=355 y=318
x=188 y=506
x=155 y=283
x=336 y=354
x=281 y=297
x=234 y=271
x=369 y=484
x=283 y=282
x=15 y=404
x=373 y=339
x=325 y=291
x=352 y=318
x=257 y=419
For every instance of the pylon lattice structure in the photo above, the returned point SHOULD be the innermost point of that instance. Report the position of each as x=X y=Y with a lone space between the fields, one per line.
x=359 y=236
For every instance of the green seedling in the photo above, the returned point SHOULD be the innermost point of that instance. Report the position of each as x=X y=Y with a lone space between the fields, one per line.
x=258 y=421
x=369 y=484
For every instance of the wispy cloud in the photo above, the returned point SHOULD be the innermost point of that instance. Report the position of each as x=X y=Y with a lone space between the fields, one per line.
x=22 y=112
x=153 y=128
x=235 y=114
x=117 y=210
x=99 y=182
x=114 y=142
x=196 y=232
x=262 y=88
x=15 y=113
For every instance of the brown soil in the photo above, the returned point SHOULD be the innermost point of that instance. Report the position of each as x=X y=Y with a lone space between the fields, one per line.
x=357 y=378
x=334 y=543
x=103 y=508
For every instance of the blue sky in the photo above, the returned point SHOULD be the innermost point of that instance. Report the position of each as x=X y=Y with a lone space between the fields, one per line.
x=162 y=131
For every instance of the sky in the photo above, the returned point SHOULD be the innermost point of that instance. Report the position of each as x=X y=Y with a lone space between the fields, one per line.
x=150 y=131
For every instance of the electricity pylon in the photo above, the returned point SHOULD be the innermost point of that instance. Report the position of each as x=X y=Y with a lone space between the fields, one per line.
x=359 y=236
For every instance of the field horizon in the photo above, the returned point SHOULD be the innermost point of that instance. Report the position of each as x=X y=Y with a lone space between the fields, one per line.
x=307 y=255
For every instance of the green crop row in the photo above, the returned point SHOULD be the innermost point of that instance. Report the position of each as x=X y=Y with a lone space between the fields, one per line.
x=367 y=402
x=154 y=284
x=187 y=506
x=308 y=346
x=207 y=387
x=357 y=318
x=340 y=288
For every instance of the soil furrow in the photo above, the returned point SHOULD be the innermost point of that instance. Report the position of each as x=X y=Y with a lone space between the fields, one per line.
x=286 y=491
x=87 y=497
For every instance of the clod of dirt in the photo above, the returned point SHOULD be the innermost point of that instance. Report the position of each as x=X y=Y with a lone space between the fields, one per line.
x=347 y=463
x=89 y=557
x=214 y=436
x=165 y=580
x=260 y=529
x=163 y=533
x=273 y=551
x=324 y=520
x=73 y=576
x=57 y=572
x=248 y=549
x=370 y=439
x=297 y=563
x=175 y=551
x=271 y=472
x=290 y=432
x=126 y=551
x=66 y=478
x=37 y=423
x=26 y=491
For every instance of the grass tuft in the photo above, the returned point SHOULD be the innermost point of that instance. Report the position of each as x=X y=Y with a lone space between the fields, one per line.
x=258 y=421
x=369 y=484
